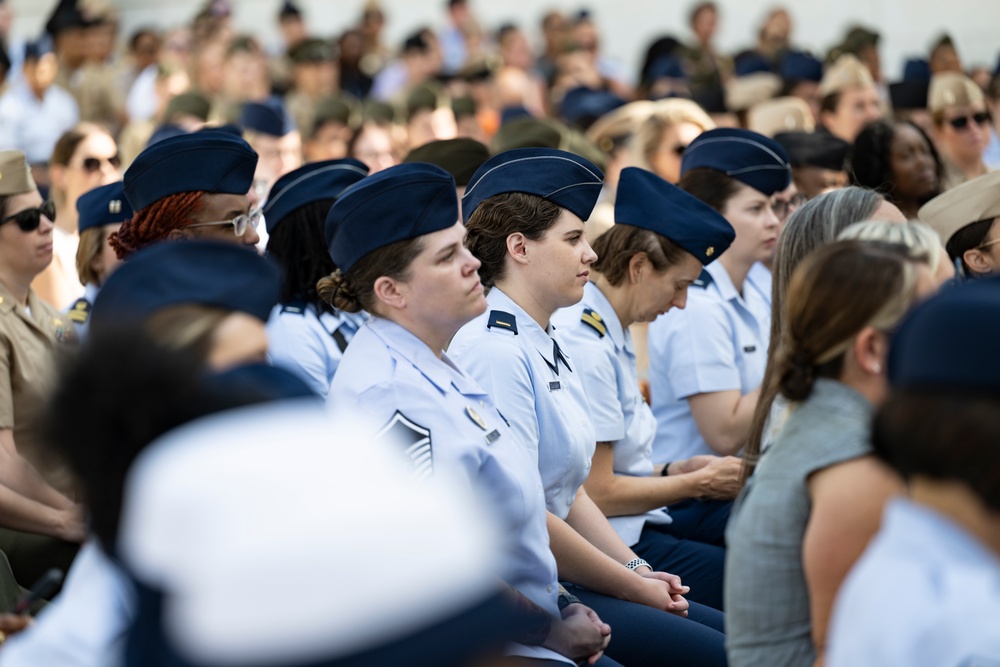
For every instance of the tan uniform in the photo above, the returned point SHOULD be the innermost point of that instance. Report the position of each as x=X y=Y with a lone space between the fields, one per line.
x=29 y=345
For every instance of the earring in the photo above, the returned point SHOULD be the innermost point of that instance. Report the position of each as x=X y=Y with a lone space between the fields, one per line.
x=876 y=368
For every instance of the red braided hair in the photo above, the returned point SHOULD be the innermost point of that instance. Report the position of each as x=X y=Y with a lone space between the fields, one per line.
x=155 y=222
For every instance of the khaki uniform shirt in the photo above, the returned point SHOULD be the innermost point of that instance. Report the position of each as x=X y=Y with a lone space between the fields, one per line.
x=29 y=344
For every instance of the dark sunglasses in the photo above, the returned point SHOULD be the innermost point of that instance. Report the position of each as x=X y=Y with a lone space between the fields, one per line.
x=93 y=164
x=29 y=219
x=961 y=122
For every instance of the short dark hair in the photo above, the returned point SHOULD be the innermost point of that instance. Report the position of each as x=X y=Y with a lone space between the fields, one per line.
x=943 y=435
x=968 y=237
x=299 y=245
x=616 y=247
x=711 y=186
x=498 y=217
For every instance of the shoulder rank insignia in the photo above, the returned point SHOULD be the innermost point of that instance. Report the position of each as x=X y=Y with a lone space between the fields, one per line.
x=704 y=280
x=294 y=307
x=502 y=320
x=80 y=311
x=594 y=320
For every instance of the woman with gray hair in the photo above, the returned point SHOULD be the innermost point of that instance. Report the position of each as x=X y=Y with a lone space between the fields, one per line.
x=818 y=222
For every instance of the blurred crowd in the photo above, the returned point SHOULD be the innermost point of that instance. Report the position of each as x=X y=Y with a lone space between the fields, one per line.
x=689 y=365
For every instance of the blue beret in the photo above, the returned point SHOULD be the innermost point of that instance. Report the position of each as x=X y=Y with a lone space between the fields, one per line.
x=396 y=204
x=104 y=205
x=565 y=179
x=800 y=66
x=212 y=161
x=267 y=117
x=645 y=200
x=223 y=275
x=750 y=158
x=948 y=342
x=309 y=183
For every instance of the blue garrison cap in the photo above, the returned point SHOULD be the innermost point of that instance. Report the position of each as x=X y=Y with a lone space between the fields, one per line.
x=949 y=341
x=565 y=179
x=309 y=183
x=647 y=201
x=223 y=275
x=582 y=105
x=396 y=204
x=212 y=161
x=750 y=158
x=800 y=66
x=267 y=117
x=104 y=205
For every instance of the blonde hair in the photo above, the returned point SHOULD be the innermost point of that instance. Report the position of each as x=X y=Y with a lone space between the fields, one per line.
x=921 y=242
x=666 y=115
x=91 y=241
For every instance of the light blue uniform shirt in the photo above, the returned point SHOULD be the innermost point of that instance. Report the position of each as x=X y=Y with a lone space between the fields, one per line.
x=924 y=593
x=714 y=344
x=308 y=343
x=34 y=125
x=85 y=625
x=605 y=360
x=544 y=403
x=453 y=425
x=79 y=311
x=759 y=284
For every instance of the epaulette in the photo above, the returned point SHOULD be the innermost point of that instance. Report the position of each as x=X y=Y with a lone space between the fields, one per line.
x=704 y=280
x=594 y=320
x=505 y=321
x=80 y=311
x=294 y=307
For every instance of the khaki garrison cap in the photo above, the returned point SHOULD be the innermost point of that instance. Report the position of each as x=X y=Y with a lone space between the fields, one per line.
x=743 y=92
x=15 y=175
x=950 y=89
x=846 y=72
x=972 y=201
x=782 y=114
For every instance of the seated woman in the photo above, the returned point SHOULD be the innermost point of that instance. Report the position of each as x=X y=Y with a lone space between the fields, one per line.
x=407 y=267
x=898 y=160
x=101 y=213
x=816 y=497
x=306 y=334
x=707 y=361
x=203 y=306
x=938 y=430
x=818 y=222
x=40 y=525
x=524 y=210
x=645 y=264
x=967 y=218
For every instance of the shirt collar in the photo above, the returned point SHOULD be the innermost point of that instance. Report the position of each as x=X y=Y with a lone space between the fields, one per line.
x=537 y=337
x=442 y=373
x=722 y=280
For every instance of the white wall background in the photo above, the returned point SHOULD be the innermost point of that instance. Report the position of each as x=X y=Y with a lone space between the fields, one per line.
x=628 y=26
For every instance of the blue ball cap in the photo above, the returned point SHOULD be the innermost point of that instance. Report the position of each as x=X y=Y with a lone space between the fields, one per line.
x=214 y=161
x=104 y=205
x=750 y=158
x=948 y=342
x=565 y=179
x=647 y=201
x=267 y=117
x=309 y=183
x=223 y=275
x=396 y=204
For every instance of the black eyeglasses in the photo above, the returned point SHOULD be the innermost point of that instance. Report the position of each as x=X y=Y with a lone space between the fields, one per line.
x=962 y=122
x=29 y=219
x=93 y=164
x=783 y=208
